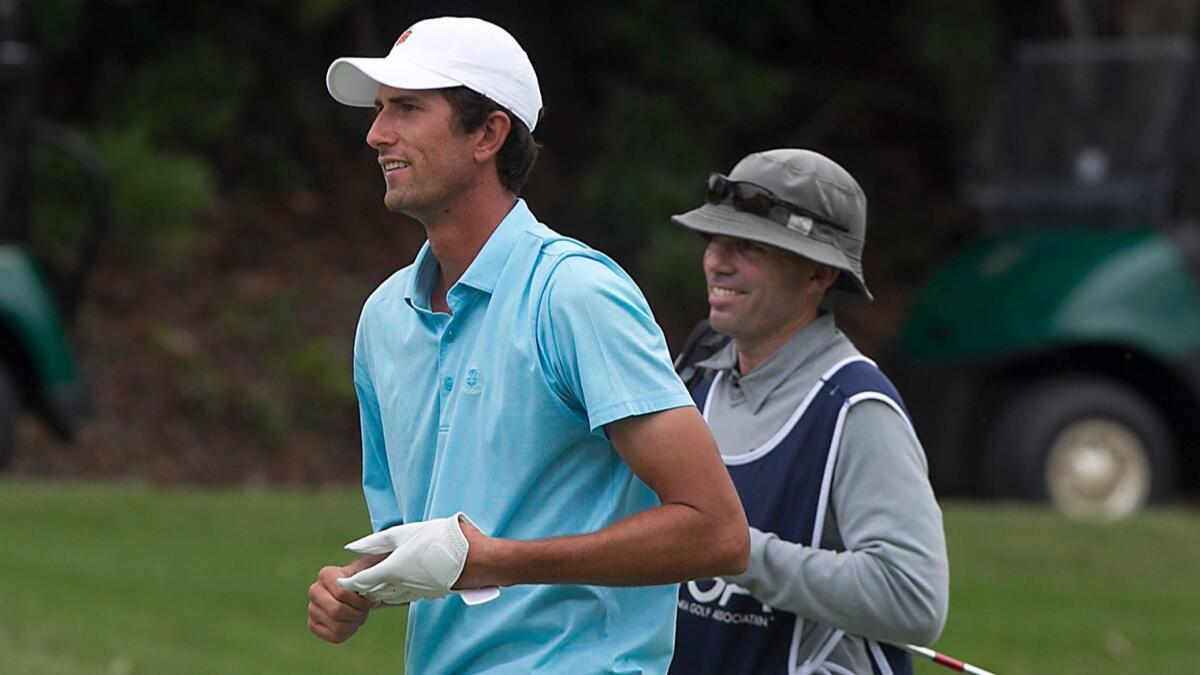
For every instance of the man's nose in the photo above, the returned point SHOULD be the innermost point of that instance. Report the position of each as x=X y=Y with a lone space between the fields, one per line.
x=718 y=257
x=379 y=136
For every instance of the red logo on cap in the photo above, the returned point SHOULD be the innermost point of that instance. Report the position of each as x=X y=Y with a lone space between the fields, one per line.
x=400 y=40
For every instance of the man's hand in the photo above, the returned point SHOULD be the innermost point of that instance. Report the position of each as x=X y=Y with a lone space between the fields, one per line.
x=335 y=614
x=425 y=560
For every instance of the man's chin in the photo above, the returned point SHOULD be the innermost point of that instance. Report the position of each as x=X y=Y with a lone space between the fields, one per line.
x=721 y=322
x=398 y=204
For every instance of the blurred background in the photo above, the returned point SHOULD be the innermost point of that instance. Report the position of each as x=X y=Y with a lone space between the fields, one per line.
x=248 y=227
x=189 y=226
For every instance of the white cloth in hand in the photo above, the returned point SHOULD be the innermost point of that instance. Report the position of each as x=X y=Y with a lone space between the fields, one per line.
x=426 y=559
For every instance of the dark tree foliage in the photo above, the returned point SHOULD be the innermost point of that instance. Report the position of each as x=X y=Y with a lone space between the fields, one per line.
x=643 y=97
x=250 y=224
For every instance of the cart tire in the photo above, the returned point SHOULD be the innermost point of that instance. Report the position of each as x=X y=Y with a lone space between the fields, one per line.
x=1090 y=446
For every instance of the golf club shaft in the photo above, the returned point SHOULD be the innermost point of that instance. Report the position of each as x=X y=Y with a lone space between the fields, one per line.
x=951 y=663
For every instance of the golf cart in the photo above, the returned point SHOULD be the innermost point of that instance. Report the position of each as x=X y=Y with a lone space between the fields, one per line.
x=1059 y=358
x=37 y=367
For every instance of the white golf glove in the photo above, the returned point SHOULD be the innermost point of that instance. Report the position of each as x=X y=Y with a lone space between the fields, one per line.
x=426 y=559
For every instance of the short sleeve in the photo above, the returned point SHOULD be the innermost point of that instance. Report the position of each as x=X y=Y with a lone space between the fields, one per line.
x=378 y=489
x=602 y=351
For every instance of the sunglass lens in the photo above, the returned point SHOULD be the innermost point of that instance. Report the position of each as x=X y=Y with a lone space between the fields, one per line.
x=716 y=188
x=751 y=199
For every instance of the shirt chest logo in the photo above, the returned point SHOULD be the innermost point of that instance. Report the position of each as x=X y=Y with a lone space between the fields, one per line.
x=473 y=381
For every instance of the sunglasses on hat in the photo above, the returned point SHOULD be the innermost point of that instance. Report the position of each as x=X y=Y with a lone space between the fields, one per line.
x=757 y=200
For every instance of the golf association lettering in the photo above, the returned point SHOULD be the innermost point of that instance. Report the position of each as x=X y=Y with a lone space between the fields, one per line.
x=720 y=593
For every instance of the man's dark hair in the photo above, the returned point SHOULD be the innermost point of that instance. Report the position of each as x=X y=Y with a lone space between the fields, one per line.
x=519 y=152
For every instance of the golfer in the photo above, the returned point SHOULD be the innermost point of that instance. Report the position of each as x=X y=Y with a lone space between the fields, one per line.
x=522 y=425
x=847 y=548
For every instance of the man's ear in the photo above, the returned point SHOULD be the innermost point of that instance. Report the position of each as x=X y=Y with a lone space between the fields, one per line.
x=495 y=131
x=824 y=276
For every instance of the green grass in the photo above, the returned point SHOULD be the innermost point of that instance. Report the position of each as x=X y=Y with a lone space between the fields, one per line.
x=1034 y=593
x=127 y=579
x=123 y=580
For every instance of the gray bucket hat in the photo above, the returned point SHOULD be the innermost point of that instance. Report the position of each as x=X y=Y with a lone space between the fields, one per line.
x=811 y=181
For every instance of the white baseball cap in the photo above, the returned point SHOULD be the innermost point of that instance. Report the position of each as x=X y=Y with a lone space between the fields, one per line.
x=445 y=52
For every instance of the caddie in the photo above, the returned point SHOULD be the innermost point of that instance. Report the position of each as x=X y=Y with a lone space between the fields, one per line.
x=522 y=426
x=848 y=555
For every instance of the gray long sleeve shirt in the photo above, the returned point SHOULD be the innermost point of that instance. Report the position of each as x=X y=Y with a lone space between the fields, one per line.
x=882 y=570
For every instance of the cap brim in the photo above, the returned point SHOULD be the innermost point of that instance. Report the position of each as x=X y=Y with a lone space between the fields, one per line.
x=355 y=81
x=725 y=220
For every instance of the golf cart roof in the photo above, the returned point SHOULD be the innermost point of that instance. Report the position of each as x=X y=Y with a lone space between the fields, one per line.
x=1087 y=129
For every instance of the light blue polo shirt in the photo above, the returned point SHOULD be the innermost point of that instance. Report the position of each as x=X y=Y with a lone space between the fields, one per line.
x=497 y=410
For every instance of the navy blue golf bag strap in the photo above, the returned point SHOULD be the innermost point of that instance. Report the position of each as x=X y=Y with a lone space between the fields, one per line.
x=702 y=343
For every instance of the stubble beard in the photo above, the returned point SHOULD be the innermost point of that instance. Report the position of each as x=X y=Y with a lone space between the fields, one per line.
x=397 y=202
x=722 y=322
x=415 y=204
x=421 y=204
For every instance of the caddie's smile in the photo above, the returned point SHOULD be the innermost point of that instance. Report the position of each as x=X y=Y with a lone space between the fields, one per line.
x=721 y=297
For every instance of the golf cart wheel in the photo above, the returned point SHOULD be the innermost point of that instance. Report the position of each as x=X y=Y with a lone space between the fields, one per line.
x=1090 y=446
x=8 y=417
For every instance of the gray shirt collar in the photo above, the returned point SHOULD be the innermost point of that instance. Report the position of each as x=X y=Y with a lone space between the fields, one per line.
x=808 y=342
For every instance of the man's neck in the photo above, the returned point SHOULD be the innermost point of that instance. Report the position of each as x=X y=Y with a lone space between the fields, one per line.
x=754 y=351
x=457 y=234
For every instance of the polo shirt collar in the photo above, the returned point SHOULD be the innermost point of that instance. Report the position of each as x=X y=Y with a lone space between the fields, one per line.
x=420 y=282
x=801 y=348
x=483 y=272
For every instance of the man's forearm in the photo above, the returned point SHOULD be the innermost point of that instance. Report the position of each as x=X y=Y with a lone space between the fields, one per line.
x=667 y=544
x=866 y=592
x=700 y=529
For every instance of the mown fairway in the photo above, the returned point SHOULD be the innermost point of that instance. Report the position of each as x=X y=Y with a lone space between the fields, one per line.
x=126 y=579
x=129 y=580
x=1034 y=593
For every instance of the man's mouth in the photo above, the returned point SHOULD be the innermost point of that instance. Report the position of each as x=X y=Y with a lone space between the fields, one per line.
x=395 y=164
x=723 y=291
